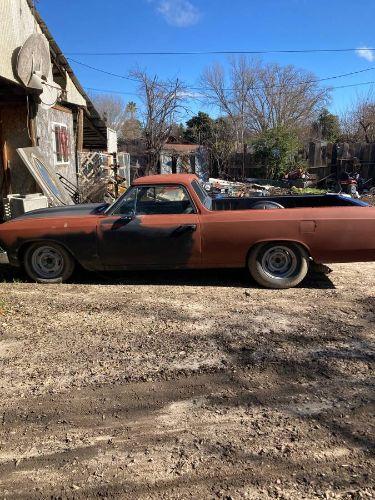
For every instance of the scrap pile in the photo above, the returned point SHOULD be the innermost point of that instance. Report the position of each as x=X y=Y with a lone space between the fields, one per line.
x=236 y=189
x=369 y=197
x=253 y=187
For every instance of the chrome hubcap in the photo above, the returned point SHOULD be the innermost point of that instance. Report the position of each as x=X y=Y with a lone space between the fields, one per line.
x=47 y=262
x=279 y=262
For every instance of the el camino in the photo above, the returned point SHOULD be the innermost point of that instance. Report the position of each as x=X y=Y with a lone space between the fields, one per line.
x=170 y=222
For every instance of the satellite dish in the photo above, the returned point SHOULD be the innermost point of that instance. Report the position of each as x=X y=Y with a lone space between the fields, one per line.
x=34 y=69
x=34 y=57
x=50 y=94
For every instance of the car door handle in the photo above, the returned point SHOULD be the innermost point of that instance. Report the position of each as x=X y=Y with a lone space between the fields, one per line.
x=186 y=228
x=122 y=221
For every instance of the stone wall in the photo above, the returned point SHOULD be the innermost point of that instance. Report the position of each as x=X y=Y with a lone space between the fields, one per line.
x=44 y=127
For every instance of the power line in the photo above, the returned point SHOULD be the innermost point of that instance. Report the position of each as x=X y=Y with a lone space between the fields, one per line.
x=334 y=77
x=217 y=52
x=111 y=91
x=343 y=75
x=318 y=80
x=134 y=94
x=103 y=70
x=353 y=85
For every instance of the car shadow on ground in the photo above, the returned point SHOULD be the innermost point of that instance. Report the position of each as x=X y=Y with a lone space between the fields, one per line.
x=237 y=278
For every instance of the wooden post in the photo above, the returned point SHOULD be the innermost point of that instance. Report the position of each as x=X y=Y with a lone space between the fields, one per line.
x=80 y=131
x=32 y=129
x=115 y=172
x=79 y=145
x=31 y=111
x=4 y=164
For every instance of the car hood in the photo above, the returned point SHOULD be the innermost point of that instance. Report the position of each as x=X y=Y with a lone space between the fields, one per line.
x=65 y=211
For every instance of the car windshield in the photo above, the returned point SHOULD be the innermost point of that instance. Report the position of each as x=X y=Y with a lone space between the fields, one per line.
x=129 y=195
x=151 y=200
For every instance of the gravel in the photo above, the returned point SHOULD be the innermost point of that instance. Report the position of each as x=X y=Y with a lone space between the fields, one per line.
x=188 y=385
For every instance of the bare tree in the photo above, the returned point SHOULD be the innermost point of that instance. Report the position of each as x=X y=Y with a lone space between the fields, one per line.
x=221 y=146
x=358 y=121
x=258 y=97
x=284 y=97
x=163 y=102
x=112 y=109
x=233 y=102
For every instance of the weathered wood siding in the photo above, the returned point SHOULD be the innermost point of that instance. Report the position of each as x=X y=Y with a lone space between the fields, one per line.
x=16 y=135
x=44 y=127
x=17 y=24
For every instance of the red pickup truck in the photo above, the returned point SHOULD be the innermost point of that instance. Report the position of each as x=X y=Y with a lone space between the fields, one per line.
x=170 y=222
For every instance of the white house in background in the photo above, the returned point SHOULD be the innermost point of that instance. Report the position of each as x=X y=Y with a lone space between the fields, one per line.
x=178 y=158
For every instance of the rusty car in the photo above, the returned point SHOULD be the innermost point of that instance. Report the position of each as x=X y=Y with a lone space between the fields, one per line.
x=170 y=222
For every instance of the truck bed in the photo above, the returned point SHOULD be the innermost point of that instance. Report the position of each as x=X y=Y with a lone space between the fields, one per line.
x=328 y=200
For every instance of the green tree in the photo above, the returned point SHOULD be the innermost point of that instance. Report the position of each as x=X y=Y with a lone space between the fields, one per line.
x=327 y=126
x=178 y=131
x=199 y=129
x=217 y=136
x=276 y=151
x=131 y=109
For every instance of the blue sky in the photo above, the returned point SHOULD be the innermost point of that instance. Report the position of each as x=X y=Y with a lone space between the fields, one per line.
x=196 y=25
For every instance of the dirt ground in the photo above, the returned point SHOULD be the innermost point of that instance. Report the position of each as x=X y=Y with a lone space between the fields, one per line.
x=187 y=385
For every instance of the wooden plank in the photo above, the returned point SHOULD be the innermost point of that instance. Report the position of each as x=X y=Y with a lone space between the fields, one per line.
x=32 y=123
x=80 y=130
x=62 y=108
x=4 y=164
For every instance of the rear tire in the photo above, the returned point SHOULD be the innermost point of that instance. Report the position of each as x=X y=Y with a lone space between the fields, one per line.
x=48 y=263
x=278 y=264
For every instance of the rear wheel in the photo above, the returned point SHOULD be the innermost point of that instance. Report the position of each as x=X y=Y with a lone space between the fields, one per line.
x=48 y=263
x=278 y=264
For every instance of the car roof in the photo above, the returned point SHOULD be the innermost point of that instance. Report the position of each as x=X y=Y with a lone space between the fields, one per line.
x=165 y=179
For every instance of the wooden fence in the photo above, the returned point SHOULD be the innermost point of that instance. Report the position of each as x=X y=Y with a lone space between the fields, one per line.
x=327 y=158
x=323 y=159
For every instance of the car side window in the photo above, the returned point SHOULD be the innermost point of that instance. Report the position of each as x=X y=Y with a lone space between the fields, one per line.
x=146 y=194
x=158 y=200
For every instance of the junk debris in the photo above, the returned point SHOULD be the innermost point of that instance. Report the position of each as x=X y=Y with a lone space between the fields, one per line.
x=219 y=187
x=45 y=176
x=300 y=178
x=100 y=179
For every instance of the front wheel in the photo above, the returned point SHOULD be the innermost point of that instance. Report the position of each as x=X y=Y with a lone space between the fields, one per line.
x=278 y=264
x=48 y=263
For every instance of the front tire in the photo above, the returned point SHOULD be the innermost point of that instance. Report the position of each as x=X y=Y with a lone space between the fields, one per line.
x=278 y=264
x=48 y=263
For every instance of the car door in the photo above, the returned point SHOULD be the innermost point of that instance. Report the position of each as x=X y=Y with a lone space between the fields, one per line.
x=151 y=227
